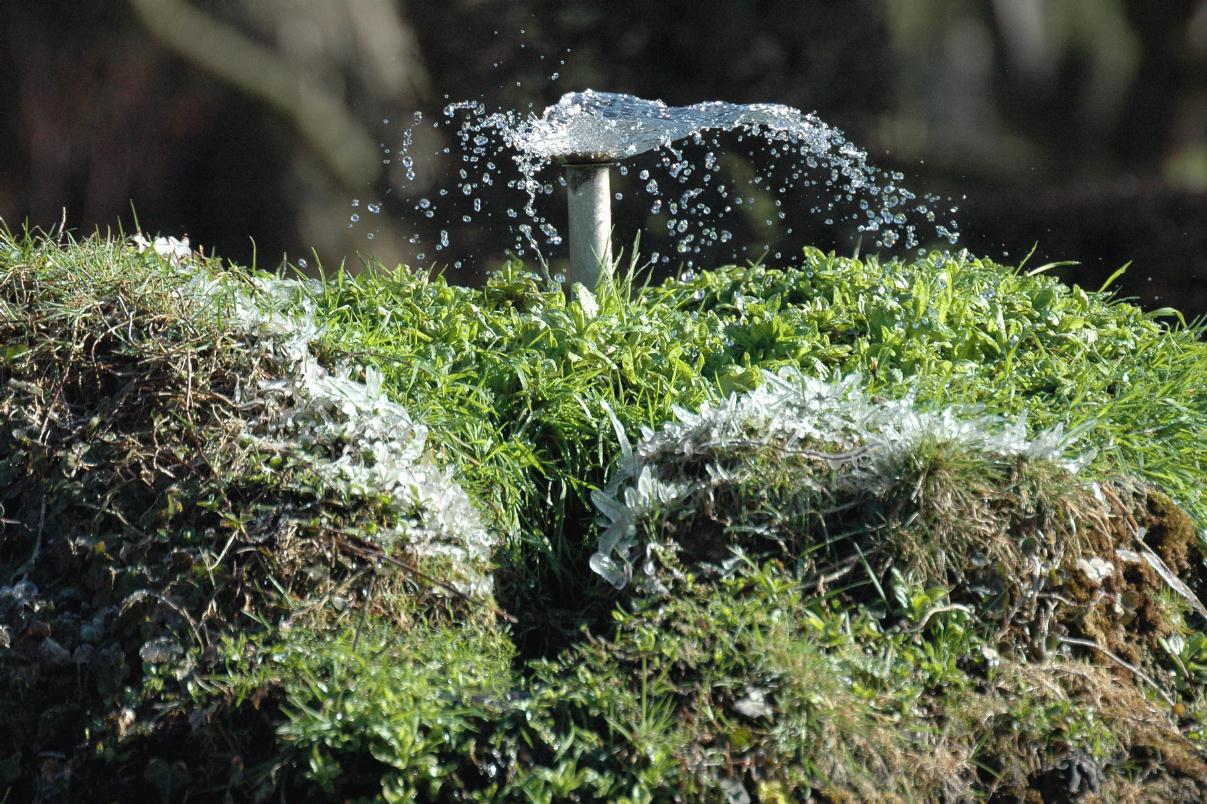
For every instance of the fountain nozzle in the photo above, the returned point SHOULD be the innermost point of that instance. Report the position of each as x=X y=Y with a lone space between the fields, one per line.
x=588 y=195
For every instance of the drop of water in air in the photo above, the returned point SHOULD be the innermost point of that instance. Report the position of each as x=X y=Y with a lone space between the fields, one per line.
x=718 y=168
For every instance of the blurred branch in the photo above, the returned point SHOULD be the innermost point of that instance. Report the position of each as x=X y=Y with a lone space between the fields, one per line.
x=391 y=46
x=320 y=117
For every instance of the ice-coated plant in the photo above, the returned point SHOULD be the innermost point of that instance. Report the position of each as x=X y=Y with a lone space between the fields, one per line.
x=834 y=422
x=340 y=426
x=173 y=250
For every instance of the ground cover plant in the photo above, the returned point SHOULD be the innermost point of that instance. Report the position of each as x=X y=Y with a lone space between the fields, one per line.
x=924 y=530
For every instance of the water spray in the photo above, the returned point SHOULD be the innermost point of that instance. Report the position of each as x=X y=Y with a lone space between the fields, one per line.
x=805 y=168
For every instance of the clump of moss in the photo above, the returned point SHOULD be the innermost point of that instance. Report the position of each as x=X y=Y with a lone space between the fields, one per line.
x=174 y=466
x=903 y=514
x=799 y=464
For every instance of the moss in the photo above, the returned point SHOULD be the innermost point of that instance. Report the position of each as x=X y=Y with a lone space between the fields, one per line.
x=1170 y=532
x=143 y=521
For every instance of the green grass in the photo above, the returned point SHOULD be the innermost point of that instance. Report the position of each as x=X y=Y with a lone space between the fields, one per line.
x=515 y=380
x=254 y=626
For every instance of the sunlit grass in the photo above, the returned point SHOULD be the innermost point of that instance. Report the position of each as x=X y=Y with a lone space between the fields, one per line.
x=516 y=380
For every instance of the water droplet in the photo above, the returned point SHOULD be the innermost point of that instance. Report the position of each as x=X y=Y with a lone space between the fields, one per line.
x=798 y=151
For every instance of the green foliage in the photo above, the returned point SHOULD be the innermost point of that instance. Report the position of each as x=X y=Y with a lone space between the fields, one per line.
x=320 y=671
x=951 y=329
x=363 y=709
x=1190 y=659
x=515 y=380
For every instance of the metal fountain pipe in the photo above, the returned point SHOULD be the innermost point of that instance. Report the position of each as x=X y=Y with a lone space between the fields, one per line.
x=589 y=197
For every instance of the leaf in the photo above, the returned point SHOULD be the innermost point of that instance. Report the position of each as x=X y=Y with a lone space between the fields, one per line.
x=1049 y=266
x=626 y=448
x=1118 y=273
x=1168 y=312
x=586 y=300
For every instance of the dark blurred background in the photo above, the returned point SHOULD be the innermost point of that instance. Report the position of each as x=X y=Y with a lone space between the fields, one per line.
x=1078 y=127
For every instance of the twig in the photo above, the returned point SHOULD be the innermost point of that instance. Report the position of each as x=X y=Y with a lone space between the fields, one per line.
x=116 y=514
x=28 y=566
x=319 y=115
x=821 y=580
x=364 y=612
x=1118 y=505
x=1088 y=643
x=188 y=393
x=938 y=610
x=357 y=545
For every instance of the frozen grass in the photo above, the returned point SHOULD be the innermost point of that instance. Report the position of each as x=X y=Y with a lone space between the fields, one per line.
x=209 y=590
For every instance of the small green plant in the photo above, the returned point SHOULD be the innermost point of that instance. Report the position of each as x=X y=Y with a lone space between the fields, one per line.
x=1189 y=656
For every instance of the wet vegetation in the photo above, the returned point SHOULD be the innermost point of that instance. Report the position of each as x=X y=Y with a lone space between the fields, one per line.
x=919 y=530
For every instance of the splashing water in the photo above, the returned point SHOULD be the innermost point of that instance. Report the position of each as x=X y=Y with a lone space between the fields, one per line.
x=595 y=126
x=713 y=175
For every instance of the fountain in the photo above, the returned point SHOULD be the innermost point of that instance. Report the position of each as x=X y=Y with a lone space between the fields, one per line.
x=699 y=199
x=589 y=131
